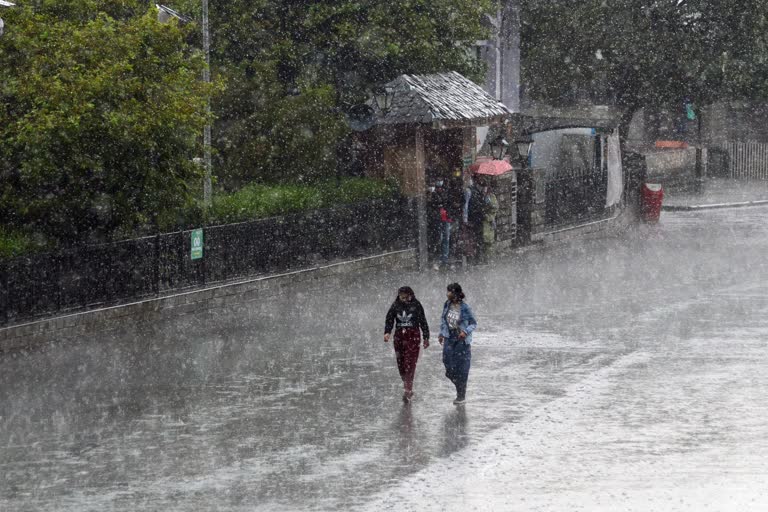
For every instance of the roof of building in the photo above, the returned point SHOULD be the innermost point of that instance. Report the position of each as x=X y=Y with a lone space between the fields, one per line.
x=3 y=3
x=443 y=99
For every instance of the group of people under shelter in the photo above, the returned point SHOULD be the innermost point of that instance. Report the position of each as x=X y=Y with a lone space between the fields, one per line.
x=462 y=219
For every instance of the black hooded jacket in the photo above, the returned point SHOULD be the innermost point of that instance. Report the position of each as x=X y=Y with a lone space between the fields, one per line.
x=403 y=315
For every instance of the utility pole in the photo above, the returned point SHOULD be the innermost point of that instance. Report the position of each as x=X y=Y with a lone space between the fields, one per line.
x=503 y=79
x=164 y=14
x=510 y=25
x=207 y=187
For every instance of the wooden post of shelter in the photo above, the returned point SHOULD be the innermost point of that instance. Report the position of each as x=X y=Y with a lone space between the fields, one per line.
x=420 y=183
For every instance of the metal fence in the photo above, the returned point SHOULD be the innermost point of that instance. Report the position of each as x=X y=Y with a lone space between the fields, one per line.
x=575 y=195
x=747 y=160
x=82 y=277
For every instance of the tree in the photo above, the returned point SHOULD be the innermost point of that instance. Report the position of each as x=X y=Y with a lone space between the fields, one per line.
x=645 y=52
x=295 y=68
x=101 y=108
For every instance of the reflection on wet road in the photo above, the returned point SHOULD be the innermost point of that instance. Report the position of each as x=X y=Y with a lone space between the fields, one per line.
x=293 y=401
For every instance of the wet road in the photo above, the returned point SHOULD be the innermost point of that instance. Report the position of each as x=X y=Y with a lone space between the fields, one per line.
x=607 y=375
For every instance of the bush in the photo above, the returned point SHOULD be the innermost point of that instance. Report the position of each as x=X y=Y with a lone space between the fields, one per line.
x=260 y=201
x=353 y=190
x=14 y=244
x=254 y=201
x=101 y=112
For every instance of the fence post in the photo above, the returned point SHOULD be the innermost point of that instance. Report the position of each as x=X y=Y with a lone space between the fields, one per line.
x=83 y=290
x=5 y=297
x=699 y=170
x=59 y=287
x=156 y=277
x=421 y=222
x=524 y=205
x=205 y=256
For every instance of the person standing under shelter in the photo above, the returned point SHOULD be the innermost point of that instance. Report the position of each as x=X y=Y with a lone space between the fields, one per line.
x=457 y=323
x=482 y=206
x=473 y=214
x=490 y=210
x=444 y=203
x=406 y=317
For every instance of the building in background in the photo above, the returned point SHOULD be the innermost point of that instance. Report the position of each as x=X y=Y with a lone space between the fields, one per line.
x=502 y=54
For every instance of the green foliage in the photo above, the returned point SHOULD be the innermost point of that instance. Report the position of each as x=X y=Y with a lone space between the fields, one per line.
x=102 y=107
x=646 y=51
x=14 y=244
x=268 y=136
x=100 y=117
x=353 y=190
x=295 y=67
x=259 y=201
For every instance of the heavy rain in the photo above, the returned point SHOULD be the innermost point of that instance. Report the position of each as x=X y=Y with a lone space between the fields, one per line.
x=364 y=255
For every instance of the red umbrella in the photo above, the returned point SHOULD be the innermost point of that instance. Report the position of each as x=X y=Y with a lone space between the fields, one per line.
x=491 y=167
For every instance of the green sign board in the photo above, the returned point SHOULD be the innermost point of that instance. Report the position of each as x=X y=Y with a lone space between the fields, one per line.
x=197 y=244
x=689 y=112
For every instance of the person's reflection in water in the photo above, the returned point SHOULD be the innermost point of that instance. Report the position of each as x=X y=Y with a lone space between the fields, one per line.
x=406 y=430
x=455 y=435
x=410 y=446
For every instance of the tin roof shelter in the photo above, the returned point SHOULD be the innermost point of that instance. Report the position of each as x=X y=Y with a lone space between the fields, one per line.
x=443 y=100
x=426 y=129
x=428 y=122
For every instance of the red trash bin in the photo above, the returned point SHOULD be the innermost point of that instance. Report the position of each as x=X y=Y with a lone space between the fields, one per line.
x=651 y=197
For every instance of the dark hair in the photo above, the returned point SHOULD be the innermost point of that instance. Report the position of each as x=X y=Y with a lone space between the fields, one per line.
x=455 y=288
x=405 y=289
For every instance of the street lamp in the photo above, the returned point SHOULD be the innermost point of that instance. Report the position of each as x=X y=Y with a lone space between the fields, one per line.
x=383 y=97
x=524 y=143
x=165 y=13
x=498 y=147
x=4 y=3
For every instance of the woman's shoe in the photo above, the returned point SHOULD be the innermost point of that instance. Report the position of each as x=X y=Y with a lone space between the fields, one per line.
x=459 y=401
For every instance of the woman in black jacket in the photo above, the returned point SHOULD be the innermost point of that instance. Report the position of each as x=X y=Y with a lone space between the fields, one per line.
x=406 y=316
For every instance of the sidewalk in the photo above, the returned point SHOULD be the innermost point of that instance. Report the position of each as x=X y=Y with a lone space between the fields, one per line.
x=719 y=193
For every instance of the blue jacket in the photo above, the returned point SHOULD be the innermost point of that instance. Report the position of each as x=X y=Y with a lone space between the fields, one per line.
x=467 y=322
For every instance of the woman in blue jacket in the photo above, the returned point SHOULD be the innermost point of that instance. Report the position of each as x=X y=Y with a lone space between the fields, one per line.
x=456 y=326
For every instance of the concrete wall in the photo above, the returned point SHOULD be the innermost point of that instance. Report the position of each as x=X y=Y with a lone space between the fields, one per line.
x=673 y=168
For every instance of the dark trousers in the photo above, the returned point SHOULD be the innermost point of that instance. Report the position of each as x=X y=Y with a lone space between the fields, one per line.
x=407 y=353
x=457 y=357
